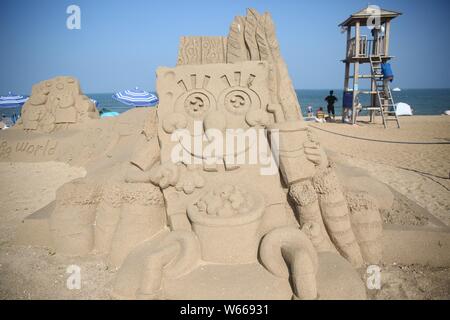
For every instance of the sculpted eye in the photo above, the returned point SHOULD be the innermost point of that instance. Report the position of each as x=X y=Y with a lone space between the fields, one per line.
x=196 y=101
x=196 y=105
x=237 y=101
x=238 y=98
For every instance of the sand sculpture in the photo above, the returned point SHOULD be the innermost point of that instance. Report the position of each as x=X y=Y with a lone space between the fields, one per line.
x=207 y=226
x=56 y=104
x=103 y=213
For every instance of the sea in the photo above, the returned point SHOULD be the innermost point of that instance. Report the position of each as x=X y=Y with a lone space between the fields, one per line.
x=422 y=101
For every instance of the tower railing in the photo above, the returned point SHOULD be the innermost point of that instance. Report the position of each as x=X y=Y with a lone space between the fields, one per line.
x=367 y=47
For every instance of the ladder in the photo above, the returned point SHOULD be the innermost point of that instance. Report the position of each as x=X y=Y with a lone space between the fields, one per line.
x=386 y=105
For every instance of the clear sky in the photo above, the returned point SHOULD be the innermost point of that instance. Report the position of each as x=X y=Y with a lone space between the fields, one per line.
x=121 y=43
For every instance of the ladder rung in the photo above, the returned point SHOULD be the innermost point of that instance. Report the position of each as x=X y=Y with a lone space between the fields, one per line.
x=368 y=76
x=368 y=92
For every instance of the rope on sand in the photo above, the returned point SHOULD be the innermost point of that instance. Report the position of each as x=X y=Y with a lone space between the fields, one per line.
x=424 y=174
x=378 y=140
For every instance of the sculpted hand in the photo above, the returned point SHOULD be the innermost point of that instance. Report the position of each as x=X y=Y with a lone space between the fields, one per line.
x=136 y=175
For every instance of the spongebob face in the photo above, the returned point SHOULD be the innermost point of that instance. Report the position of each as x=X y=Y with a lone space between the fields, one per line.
x=200 y=98
x=230 y=92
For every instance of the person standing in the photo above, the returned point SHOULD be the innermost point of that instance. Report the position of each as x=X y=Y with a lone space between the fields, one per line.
x=331 y=99
x=310 y=111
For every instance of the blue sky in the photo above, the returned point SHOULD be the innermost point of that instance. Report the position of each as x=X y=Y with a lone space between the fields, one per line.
x=121 y=43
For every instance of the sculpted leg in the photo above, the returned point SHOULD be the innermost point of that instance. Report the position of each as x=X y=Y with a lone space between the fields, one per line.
x=309 y=215
x=288 y=253
x=168 y=255
x=153 y=271
x=336 y=216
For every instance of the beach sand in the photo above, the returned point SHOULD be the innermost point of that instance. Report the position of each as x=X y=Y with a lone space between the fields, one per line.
x=419 y=172
x=28 y=272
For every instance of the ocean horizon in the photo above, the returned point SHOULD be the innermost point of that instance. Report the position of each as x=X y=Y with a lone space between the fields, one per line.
x=422 y=101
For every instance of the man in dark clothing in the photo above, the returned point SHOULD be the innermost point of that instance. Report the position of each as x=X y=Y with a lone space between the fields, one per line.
x=331 y=99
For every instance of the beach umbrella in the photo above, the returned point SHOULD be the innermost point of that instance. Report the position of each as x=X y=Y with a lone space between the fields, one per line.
x=12 y=100
x=109 y=114
x=136 y=98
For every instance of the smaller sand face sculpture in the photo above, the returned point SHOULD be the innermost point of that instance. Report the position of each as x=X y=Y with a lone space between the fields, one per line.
x=54 y=104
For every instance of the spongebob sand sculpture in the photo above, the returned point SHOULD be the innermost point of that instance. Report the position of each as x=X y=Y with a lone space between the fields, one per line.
x=54 y=104
x=229 y=220
x=183 y=221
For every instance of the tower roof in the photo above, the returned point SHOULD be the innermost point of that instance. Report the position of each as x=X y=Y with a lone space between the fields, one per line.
x=368 y=12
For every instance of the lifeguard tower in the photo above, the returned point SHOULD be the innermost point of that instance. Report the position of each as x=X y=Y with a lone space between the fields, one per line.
x=373 y=49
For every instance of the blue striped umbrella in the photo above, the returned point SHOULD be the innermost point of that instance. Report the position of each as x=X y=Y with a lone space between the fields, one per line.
x=109 y=114
x=12 y=100
x=136 y=98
